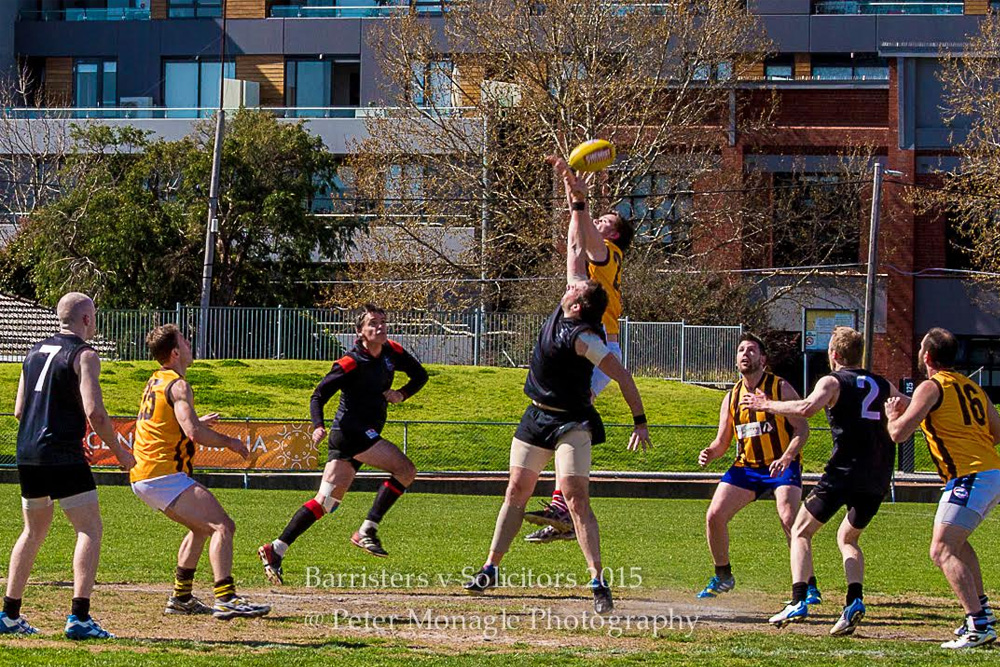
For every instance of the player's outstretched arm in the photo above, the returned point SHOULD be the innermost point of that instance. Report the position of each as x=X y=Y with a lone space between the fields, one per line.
x=904 y=419
x=88 y=369
x=612 y=367
x=416 y=373
x=576 y=194
x=800 y=427
x=724 y=436
x=825 y=393
x=196 y=429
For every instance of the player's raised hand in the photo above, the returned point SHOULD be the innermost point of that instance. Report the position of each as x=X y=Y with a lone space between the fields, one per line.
x=894 y=407
x=755 y=401
x=210 y=419
x=318 y=435
x=576 y=188
x=639 y=440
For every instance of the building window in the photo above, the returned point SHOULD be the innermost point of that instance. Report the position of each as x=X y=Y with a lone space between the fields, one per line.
x=716 y=72
x=431 y=83
x=815 y=220
x=660 y=208
x=780 y=68
x=194 y=9
x=95 y=83
x=191 y=87
x=314 y=86
x=93 y=10
x=857 y=67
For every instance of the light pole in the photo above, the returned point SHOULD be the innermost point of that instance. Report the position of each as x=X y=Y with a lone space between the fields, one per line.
x=869 y=330
x=201 y=342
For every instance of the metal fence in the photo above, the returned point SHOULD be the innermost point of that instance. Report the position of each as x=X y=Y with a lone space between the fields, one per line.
x=441 y=446
x=670 y=350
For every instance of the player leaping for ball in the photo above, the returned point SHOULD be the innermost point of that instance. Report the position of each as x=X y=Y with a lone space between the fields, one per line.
x=166 y=431
x=363 y=377
x=767 y=459
x=604 y=243
x=561 y=420
x=857 y=475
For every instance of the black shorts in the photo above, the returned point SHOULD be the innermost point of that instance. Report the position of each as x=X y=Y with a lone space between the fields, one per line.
x=542 y=428
x=345 y=444
x=55 y=481
x=829 y=496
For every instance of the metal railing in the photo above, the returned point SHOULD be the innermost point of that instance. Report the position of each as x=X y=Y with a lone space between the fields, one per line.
x=670 y=350
x=878 y=7
x=86 y=14
x=132 y=112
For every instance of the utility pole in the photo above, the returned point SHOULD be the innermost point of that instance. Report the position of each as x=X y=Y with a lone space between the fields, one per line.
x=212 y=228
x=869 y=329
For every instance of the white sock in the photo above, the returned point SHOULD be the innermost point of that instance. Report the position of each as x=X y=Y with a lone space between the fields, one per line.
x=279 y=548
x=368 y=527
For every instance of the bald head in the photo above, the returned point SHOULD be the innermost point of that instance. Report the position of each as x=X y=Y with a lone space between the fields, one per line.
x=72 y=308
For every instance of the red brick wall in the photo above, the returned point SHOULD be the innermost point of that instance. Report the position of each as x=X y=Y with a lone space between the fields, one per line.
x=829 y=108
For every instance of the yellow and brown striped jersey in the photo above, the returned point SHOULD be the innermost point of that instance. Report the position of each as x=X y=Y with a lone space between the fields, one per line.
x=958 y=428
x=609 y=274
x=761 y=438
x=161 y=447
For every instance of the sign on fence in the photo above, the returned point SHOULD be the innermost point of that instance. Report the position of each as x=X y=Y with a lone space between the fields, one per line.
x=272 y=445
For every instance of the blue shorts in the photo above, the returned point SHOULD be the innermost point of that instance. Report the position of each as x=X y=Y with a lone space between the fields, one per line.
x=759 y=480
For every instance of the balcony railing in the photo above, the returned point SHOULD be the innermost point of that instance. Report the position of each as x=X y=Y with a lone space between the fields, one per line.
x=152 y=113
x=356 y=9
x=112 y=14
x=878 y=7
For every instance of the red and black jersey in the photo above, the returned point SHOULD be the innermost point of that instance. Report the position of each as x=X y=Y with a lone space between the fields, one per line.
x=362 y=380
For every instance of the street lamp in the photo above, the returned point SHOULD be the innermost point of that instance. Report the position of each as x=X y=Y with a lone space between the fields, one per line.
x=869 y=330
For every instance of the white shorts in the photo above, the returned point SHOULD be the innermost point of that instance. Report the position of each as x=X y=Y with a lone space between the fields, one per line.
x=161 y=492
x=600 y=381
x=967 y=500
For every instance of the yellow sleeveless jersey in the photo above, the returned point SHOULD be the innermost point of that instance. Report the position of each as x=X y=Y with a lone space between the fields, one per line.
x=761 y=438
x=609 y=274
x=958 y=428
x=161 y=447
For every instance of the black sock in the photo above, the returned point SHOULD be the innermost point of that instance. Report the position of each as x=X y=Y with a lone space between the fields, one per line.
x=12 y=607
x=724 y=571
x=303 y=518
x=984 y=601
x=854 y=592
x=81 y=608
x=225 y=589
x=799 y=590
x=387 y=495
x=812 y=582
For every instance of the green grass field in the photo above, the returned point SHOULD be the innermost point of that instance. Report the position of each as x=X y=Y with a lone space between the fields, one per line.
x=655 y=547
x=281 y=390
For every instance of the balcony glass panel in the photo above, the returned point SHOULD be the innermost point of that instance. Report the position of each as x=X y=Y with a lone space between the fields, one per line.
x=881 y=7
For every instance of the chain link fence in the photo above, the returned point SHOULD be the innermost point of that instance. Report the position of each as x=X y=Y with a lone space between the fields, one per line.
x=669 y=350
x=436 y=446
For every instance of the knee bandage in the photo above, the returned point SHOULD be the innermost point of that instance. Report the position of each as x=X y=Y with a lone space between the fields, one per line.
x=36 y=503
x=79 y=500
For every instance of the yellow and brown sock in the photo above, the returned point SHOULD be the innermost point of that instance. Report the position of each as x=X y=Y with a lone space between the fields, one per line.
x=225 y=590
x=183 y=583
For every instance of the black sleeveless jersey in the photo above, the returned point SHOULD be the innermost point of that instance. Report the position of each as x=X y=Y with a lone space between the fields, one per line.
x=53 y=423
x=863 y=453
x=559 y=377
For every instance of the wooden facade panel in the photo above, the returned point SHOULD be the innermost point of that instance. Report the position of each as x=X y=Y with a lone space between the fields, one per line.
x=979 y=7
x=269 y=72
x=468 y=81
x=58 y=82
x=752 y=72
x=246 y=9
x=803 y=66
x=158 y=9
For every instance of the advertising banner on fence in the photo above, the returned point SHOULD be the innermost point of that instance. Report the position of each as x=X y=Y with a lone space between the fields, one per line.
x=272 y=445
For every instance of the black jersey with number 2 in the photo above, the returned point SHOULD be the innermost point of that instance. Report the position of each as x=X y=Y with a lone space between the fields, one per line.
x=863 y=453
x=53 y=423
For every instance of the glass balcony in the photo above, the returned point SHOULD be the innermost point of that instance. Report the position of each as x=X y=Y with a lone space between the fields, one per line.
x=879 y=7
x=354 y=8
x=140 y=113
x=103 y=14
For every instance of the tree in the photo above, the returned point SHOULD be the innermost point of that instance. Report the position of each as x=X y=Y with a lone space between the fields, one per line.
x=483 y=94
x=970 y=196
x=130 y=222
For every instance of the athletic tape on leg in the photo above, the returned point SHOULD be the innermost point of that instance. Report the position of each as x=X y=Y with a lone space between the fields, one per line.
x=326 y=497
x=36 y=503
x=508 y=523
x=79 y=500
